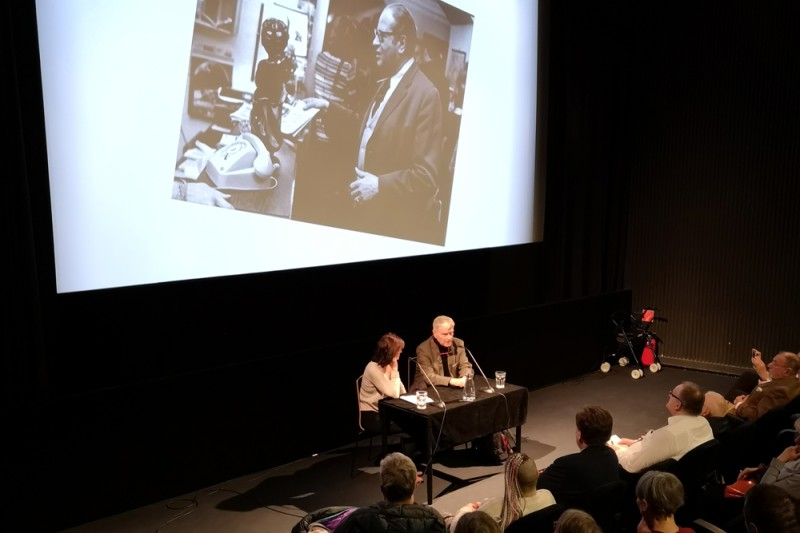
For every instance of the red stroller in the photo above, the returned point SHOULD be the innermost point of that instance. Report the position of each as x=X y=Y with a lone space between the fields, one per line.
x=633 y=336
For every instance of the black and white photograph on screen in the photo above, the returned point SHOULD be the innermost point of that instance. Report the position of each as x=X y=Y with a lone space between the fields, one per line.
x=339 y=113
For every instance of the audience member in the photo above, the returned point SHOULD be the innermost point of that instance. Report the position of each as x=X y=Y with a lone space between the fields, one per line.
x=684 y=431
x=477 y=522
x=770 y=509
x=659 y=495
x=381 y=379
x=576 y=521
x=520 y=496
x=571 y=476
x=397 y=512
x=783 y=471
x=781 y=387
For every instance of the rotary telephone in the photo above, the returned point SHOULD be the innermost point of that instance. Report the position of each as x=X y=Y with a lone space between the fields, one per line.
x=244 y=164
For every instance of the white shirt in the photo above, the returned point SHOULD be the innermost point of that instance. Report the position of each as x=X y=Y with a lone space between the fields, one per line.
x=372 y=120
x=681 y=434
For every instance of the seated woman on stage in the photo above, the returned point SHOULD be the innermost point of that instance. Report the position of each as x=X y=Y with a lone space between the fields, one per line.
x=381 y=379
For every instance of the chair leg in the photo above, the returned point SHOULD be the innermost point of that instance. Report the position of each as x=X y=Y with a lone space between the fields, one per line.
x=355 y=453
x=370 y=459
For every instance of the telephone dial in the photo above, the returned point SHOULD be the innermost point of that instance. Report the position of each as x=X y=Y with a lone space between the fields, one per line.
x=245 y=164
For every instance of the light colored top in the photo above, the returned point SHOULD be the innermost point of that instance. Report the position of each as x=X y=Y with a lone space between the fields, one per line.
x=529 y=504
x=784 y=475
x=681 y=434
x=375 y=386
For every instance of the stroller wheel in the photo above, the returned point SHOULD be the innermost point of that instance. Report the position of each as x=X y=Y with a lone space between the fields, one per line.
x=636 y=373
x=659 y=366
x=623 y=361
x=655 y=367
x=605 y=367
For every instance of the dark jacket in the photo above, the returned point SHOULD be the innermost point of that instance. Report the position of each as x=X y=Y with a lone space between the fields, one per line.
x=384 y=517
x=571 y=476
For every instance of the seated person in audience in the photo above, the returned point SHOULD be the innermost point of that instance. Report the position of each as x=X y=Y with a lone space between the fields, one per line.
x=520 y=496
x=571 y=476
x=659 y=495
x=781 y=387
x=441 y=358
x=381 y=379
x=397 y=512
x=576 y=521
x=477 y=522
x=783 y=470
x=684 y=431
x=770 y=509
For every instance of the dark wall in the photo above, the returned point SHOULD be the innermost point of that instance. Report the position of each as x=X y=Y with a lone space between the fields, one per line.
x=714 y=166
x=123 y=397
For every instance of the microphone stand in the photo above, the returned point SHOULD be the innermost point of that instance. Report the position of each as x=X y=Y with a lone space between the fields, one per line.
x=488 y=388
x=440 y=403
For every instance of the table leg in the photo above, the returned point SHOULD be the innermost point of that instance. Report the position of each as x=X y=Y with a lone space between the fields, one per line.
x=429 y=461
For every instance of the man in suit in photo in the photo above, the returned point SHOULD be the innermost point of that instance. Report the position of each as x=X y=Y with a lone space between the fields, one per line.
x=393 y=188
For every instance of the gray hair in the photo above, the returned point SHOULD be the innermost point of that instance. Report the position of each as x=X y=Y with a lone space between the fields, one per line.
x=398 y=477
x=662 y=491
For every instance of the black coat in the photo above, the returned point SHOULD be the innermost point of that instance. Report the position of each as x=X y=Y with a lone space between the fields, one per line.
x=383 y=517
x=573 y=475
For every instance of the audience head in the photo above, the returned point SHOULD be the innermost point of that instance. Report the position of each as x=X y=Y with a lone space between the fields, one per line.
x=783 y=365
x=714 y=404
x=658 y=495
x=477 y=522
x=576 y=521
x=770 y=509
x=594 y=425
x=685 y=399
x=388 y=348
x=443 y=330
x=398 y=478
x=521 y=475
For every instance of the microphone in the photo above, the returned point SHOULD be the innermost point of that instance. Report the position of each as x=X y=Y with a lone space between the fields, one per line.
x=440 y=403
x=488 y=388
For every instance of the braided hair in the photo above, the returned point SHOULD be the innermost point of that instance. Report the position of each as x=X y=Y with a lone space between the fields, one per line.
x=513 y=499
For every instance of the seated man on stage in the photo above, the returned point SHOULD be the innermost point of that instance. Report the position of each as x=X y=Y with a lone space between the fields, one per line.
x=441 y=358
x=442 y=362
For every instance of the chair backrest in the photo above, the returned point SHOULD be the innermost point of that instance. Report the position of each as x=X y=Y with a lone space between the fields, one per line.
x=695 y=466
x=359 y=379
x=694 y=470
x=605 y=504
x=540 y=521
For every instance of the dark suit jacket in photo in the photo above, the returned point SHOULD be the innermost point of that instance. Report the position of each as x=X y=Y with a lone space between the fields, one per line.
x=404 y=151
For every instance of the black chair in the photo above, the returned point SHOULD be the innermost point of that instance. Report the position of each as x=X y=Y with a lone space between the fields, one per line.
x=362 y=433
x=694 y=470
x=606 y=504
x=541 y=521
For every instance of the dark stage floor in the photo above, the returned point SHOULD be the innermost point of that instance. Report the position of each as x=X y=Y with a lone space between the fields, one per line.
x=273 y=501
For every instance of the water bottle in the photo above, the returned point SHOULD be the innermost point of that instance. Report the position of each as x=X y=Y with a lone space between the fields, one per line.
x=469 y=389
